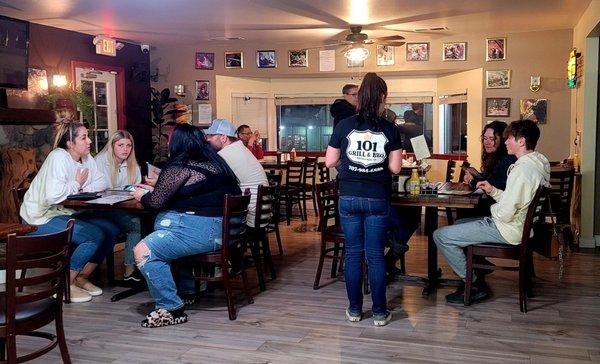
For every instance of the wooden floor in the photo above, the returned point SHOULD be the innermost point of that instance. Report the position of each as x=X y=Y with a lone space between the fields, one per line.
x=292 y=323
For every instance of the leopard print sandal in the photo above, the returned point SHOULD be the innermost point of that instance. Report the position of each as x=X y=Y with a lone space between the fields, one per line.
x=162 y=317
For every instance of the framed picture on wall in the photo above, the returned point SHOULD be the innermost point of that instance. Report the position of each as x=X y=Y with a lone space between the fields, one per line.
x=495 y=49
x=497 y=79
x=203 y=90
x=266 y=59
x=455 y=51
x=205 y=61
x=417 y=52
x=298 y=58
x=534 y=109
x=234 y=60
x=497 y=106
x=385 y=55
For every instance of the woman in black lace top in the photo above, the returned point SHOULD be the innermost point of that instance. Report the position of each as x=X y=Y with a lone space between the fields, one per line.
x=189 y=193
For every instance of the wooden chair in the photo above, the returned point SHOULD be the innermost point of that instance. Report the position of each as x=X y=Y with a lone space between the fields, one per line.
x=309 y=180
x=560 y=194
x=291 y=191
x=324 y=175
x=273 y=227
x=24 y=313
x=522 y=252
x=232 y=237
x=265 y=205
x=18 y=194
x=327 y=204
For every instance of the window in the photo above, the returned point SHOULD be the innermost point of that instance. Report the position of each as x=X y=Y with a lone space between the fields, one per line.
x=306 y=128
x=414 y=119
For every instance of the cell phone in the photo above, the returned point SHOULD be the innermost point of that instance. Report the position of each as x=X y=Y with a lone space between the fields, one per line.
x=129 y=188
x=153 y=168
x=475 y=173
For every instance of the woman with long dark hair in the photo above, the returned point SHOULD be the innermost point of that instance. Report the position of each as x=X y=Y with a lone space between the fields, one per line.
x=495 y=159
x=366 y=148
x=189 y=193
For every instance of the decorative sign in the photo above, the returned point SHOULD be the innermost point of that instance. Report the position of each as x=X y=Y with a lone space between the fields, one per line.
x=106 y=46
x=572 y=69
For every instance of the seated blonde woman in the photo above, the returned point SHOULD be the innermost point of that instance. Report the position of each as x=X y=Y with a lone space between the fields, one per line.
x=120 y=168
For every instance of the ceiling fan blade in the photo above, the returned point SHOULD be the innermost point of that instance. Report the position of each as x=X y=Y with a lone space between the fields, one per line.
x=390 y=38
x=306 y=10
x=328 y=45
x=9 y=6
x=392 y=44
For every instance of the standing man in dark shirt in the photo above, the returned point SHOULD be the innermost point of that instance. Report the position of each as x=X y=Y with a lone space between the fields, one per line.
x=366 y=150
x=346 y=107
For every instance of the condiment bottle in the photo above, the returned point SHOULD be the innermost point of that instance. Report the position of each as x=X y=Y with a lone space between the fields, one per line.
x=413 y=182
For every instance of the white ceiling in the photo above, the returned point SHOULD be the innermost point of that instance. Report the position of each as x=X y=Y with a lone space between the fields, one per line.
x=191 y=22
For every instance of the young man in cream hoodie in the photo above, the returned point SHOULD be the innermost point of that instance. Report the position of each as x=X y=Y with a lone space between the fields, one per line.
x=505 y=226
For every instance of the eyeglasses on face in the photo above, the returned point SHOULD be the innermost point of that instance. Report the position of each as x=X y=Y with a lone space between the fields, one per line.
x=247 y=133
x=488 y=139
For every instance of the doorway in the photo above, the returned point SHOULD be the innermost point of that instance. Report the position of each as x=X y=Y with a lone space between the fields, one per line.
x=453 y=128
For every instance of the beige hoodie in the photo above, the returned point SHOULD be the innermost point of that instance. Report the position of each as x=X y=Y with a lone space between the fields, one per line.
x=524 y=177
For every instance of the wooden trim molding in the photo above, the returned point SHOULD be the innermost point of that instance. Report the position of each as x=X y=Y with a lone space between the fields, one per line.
x=456 y=157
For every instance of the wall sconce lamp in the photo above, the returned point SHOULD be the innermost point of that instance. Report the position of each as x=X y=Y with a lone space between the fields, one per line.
x=179 y=90
x=535 y=83
x=59 y=80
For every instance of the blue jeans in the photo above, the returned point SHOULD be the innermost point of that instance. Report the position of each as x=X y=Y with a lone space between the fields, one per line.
x=364 y=222
x=451 y=240
x=176 y=235
x=94 y=237
x=403 y=221
x=128 y=224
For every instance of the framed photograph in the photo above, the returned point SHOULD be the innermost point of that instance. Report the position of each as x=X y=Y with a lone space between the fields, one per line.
x=298 y=58
x=205 y=61
x=534 y=109
x=497 y=106
x=495 y=49
x=417 y=52
x=497 y=79
x=352 y=64
x=234 y=60
x=385 y=55
x=266 y=59
x=202 y=90
x=456 y=51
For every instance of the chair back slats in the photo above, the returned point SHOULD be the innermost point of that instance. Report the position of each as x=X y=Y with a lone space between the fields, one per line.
x=49 y=251
x=274 y=177
x=561 y=191
x=327 y=203
x=309 y=176
x=265 y=204
x=293 y=175
x=536 y=213
x=234 y=221
x=324 y=175
x=450 y=168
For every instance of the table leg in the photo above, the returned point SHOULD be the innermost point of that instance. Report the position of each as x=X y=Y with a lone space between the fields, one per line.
x=433 y=272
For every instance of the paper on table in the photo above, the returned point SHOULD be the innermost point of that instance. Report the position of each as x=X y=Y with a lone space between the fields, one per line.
x=420 y=147
x=327 y=60
x=111 y=200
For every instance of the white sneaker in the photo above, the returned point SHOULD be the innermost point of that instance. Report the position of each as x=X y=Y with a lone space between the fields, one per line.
x=88 y=286
x=382 y=320
x=79 y=295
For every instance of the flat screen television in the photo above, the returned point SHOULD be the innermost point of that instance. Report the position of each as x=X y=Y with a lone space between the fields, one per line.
x=14 y=52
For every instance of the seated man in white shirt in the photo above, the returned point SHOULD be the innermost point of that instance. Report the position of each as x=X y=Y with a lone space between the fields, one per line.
x=250 y=173
x=505 y=226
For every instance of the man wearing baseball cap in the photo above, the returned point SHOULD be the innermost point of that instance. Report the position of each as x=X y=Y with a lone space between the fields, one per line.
x=222 y=136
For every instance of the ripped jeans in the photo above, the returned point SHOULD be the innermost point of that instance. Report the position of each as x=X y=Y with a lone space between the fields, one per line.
x=176 y=235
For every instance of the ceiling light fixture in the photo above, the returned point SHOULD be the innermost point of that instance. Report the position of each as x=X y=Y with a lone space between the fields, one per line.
x=357 y=54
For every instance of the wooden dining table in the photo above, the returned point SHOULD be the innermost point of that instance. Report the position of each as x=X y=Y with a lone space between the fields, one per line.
x=432 y=202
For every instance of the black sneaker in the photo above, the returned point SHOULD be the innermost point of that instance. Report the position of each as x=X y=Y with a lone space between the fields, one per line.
x=479 y=292
x=135 y=276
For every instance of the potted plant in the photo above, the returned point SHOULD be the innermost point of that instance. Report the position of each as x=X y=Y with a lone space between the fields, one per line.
x=159 y=103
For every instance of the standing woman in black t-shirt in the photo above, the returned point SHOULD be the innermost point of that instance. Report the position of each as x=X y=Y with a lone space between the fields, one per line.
x=366 y=148
x=189 y=193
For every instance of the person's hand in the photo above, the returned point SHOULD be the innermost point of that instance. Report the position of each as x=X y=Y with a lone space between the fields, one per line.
x=151 y=178
x=144 y=186
x=467 y=178
x=256 y=134
x=81 y=175
x=485 y=186
x=138 y=193
x=252 y=138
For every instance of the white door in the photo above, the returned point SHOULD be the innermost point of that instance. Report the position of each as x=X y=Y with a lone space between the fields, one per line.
x=101 y=87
